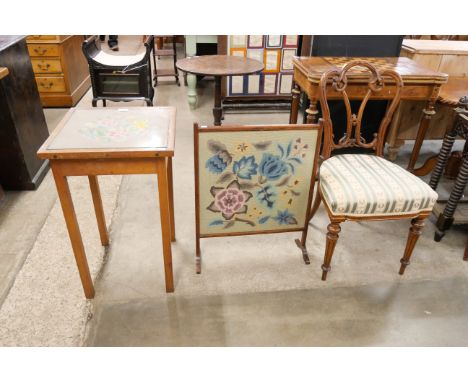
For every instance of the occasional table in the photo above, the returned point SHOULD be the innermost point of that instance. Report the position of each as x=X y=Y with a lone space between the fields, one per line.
x=420 y=84
x=111 y=141
x=219 y=66
x=192 y=44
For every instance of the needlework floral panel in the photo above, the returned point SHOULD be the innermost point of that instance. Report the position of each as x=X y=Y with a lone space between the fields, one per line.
x=253 y=181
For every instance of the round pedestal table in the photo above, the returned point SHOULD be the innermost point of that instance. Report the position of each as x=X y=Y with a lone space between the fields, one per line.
x=219 y=66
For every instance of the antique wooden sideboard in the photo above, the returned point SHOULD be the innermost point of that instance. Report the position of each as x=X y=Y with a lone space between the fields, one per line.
x=450 y=57
x=61 y=70
x=420 y=84
x=22 y=121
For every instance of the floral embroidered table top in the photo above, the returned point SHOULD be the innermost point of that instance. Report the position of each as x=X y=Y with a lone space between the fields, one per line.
x=112 y=128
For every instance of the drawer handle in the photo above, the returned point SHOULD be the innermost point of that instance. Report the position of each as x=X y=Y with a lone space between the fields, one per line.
x=40 y=52
x=46 y=86
x=46 y=66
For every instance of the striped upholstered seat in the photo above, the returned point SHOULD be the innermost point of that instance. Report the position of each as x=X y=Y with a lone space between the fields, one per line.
x=367 y=185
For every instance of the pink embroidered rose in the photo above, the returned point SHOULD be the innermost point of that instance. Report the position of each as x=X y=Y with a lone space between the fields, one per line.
x=230 y=200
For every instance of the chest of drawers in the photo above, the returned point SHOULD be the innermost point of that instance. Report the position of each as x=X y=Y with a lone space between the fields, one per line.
x=60 y=68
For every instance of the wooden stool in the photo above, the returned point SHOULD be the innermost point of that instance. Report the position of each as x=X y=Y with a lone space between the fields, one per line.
x=460 y=128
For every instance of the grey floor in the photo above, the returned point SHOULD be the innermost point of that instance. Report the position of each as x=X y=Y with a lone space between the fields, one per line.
x=253 y=291
x=425 y=313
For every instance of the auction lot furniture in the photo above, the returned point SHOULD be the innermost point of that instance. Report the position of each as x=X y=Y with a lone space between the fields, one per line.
x=219 y=66
x=23 y=127
x=161 y=51
x=118 y=77
x=366 y=187
x=198 y=45
x=92 y=142
x=460 y=128
x=419 y=84
x=61 y=71
x=254 y=180
x=450 y=57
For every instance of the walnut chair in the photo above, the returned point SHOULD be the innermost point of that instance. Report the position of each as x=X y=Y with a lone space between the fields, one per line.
x=119 y=77
x=361 y=186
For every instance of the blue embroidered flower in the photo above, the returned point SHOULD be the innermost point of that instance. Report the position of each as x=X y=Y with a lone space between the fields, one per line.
x=285 y=217
x=272 y=167
x=245 y=167
x=266 y=196
x=218 y=162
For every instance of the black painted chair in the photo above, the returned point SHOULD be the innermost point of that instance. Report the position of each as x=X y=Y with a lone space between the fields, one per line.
x=118 y=77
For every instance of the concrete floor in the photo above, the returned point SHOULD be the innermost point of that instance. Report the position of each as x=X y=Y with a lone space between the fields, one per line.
x=425 y=313
x=254 y=291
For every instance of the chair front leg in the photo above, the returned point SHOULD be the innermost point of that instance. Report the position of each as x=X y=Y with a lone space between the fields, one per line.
x=415 y=230
x=332 y=237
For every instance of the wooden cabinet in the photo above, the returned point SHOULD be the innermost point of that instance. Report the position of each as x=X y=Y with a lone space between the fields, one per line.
x=60 y=68
x=23 y=127
x=450 y=57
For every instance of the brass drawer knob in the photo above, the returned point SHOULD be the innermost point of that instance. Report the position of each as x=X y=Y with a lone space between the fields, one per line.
x=45 y=67
x=46 y=86
x=40 y=52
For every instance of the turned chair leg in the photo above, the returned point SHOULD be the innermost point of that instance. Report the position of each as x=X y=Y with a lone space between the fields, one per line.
x=415 y=230
x=332 y=237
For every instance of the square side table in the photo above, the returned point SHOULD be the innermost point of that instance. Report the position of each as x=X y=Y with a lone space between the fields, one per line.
x=91 y=142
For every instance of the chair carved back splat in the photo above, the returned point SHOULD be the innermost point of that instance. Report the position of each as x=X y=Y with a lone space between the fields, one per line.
x=338 y=79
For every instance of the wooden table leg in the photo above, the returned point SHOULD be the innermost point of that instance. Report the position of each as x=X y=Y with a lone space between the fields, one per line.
x=428 y=113
x=445 y=220
x=73 y=231
x=191 y=80
x=164 y=210
x=171 y=197
x=444 y=153
x=217 y=110
x=98 y=209
x=312 y=113
x=296 y=95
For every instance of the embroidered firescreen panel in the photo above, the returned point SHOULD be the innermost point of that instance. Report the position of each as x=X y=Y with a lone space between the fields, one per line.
x=254 y=181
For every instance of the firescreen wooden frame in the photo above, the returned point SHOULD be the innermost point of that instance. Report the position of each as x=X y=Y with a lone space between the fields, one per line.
x=251 y=128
